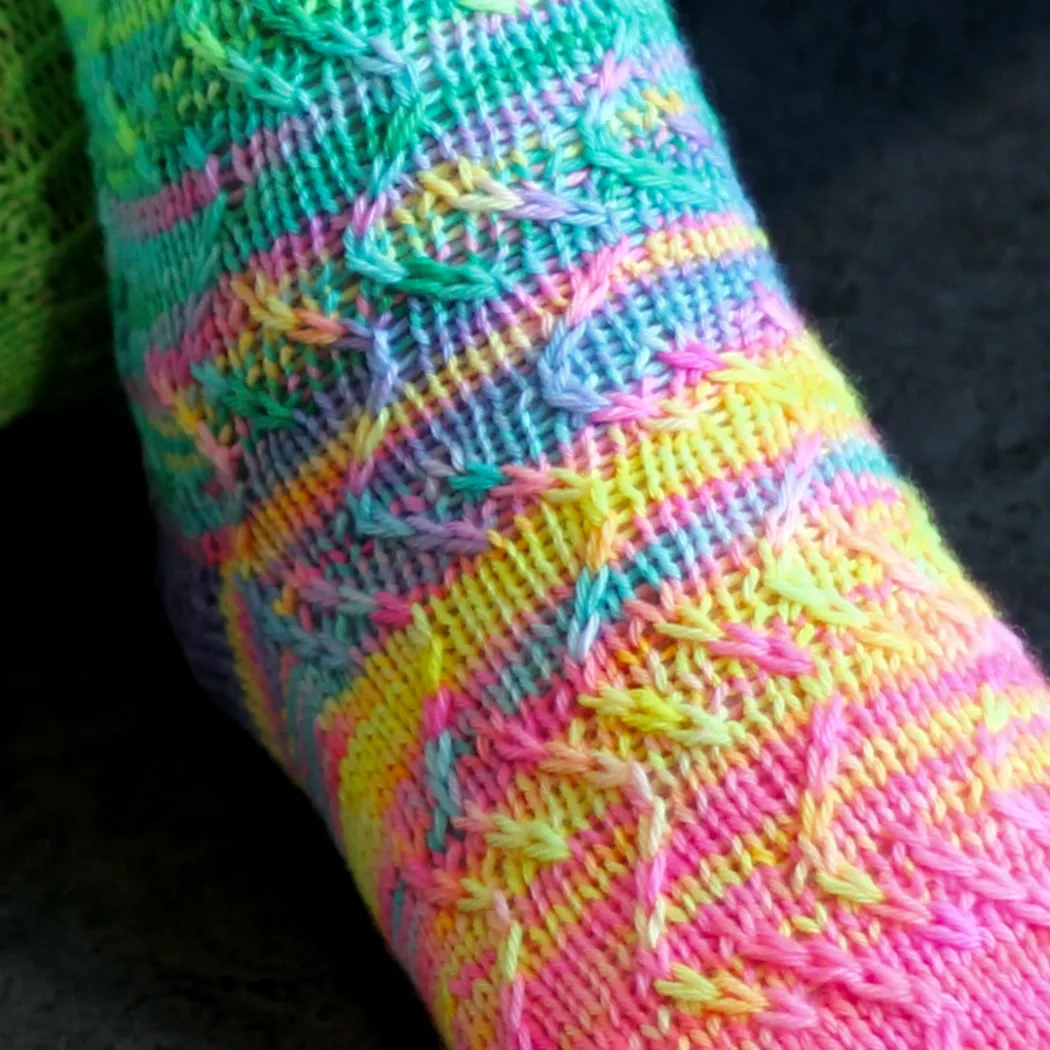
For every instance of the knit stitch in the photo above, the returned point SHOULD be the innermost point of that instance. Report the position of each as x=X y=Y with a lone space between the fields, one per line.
x=510 y=502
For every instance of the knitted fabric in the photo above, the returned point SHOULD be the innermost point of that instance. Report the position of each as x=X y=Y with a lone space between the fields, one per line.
x=510 y=502
x=54 y=327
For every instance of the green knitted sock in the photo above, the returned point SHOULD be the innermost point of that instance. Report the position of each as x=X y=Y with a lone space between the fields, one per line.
x=55 y=337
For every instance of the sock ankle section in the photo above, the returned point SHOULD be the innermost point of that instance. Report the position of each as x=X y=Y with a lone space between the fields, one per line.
x=512 y=504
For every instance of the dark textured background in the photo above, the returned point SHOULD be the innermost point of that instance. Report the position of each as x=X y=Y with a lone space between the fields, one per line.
x=161 y=886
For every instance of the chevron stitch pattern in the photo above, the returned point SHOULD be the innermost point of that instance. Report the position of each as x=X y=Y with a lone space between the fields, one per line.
x=510 y=502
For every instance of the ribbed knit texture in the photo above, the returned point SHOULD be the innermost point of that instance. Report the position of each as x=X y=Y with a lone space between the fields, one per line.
x=55 y=340
x=510 y=502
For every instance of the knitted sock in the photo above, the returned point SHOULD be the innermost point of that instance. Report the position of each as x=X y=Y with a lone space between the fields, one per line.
x=510 y=502
x=54 y=332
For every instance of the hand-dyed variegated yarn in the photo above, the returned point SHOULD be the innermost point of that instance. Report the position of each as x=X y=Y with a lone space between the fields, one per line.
x=509 y=501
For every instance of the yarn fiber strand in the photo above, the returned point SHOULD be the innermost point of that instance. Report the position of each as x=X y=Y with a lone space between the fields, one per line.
x=509 y=501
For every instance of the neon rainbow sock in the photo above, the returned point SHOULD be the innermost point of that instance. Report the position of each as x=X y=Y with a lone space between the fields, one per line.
x=512 y=505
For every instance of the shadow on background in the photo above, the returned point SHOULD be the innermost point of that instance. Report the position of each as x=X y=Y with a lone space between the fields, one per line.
x=160 y=883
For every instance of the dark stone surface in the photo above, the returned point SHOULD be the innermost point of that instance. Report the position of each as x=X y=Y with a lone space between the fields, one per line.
x=161 y=886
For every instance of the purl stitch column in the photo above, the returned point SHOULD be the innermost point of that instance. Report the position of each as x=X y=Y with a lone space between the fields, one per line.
x=512 y=505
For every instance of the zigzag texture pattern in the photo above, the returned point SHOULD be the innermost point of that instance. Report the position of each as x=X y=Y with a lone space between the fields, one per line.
x=512 y=505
